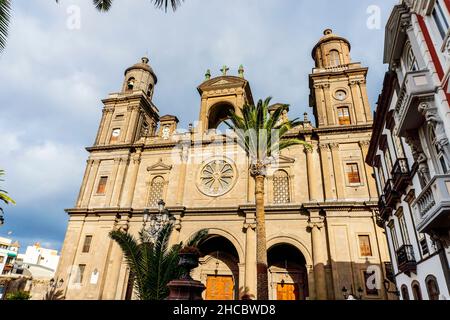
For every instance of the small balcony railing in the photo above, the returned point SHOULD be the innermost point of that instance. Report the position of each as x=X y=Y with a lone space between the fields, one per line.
x=416 y=84
x=383 y=209
x=432 y=206
x=401 y=174
x=406 y=260
x=391 y=195
x=390 y=275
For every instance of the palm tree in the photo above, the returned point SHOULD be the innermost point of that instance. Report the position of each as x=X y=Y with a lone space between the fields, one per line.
x=4 y=196
x=152 y=263
x=5 y=14
x=261 y=134
x=100 y=5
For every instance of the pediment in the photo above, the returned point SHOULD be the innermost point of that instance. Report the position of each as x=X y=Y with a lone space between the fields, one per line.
x=223 y=82
x=160 y=165
x=283 y=160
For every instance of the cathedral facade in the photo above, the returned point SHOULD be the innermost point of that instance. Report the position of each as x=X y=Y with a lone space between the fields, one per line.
x=321 y=203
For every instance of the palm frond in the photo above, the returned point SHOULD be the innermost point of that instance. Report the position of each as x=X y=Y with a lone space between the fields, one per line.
x=197 y=238
x=133 y=256
x=164 y=4
x=102 y=5
x=5 y=15
x=260 y=133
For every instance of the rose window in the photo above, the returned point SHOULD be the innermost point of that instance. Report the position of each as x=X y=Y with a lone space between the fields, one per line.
x=216 y=178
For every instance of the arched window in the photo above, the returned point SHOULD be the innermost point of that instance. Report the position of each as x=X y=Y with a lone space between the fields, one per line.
x=156 y=191
x=130 y=84
x=432 y=288
x=417 y=293
x=281 y=193
x=410 y=59
x=437 y=151
x=405 y=292
x=150 y=90
x=335 y=60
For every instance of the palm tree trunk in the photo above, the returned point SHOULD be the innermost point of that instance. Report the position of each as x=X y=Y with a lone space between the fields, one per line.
x=261 y=249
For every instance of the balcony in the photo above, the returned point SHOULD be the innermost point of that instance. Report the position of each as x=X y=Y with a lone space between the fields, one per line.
x=389 y=271
x=417 y=85
x=406 y=260
x=383 y=209
x=432 y=206
x=392 y=196
x=401 y=177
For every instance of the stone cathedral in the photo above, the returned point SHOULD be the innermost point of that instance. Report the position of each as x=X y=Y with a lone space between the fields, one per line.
x=320 y=204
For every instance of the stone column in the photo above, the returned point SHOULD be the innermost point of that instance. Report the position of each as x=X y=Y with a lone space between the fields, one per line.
x=106 y=126
x=338 y=174
x=323 y=121
x=313 y=174
x=316 y=225
x=184 y=157
x=250 y=256
x=133 y=174
x=357 y=102
x=90 y=184
x=327 y=172
x=105 y=113
x=368 y=170
x=365 y=99
x=132 y=124
x=89 y=164
x=114 y=261
x=328 y=107
x=112 y=183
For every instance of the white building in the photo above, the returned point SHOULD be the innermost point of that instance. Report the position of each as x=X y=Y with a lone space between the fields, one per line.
x=410 y=148
x=37 y=256
x=8 y=255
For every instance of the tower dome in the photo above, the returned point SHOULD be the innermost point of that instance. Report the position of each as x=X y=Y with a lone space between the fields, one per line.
x=331 y=50
x=140 y=76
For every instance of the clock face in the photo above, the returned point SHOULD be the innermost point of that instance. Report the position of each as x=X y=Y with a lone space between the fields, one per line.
x=116 y=133
x=341 y=95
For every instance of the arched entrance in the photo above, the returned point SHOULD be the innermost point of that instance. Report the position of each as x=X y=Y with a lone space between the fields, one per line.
x=288 y=275
x=218 y=269
x=217 y=115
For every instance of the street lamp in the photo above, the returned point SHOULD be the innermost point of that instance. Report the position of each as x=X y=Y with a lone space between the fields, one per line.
x=157 y=221
x=351 y=295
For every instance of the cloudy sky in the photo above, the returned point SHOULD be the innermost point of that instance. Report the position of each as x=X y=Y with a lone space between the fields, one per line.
x=53 y=77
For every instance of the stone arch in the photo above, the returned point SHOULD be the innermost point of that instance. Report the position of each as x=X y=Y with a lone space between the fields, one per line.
x=230 y=237
x=294 y=242
x=218 y=113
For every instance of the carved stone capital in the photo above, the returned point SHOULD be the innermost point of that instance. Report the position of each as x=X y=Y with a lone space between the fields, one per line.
x=334 y=146
x=324 y=147
x=107 y=110
x=317 y=222
x=364 y=144
x=248 y=225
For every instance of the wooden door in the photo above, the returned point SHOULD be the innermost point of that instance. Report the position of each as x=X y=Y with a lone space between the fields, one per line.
x=219 y=288
x=287 y=292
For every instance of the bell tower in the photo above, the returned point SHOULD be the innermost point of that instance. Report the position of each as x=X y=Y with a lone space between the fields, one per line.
x=338 y=85
x=130 y=114
x=221 y=94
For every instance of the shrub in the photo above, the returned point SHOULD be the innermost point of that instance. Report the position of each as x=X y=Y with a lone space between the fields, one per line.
x=18 y=295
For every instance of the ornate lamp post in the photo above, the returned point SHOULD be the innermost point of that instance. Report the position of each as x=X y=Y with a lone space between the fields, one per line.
x=352 y=295
x=157 y=221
